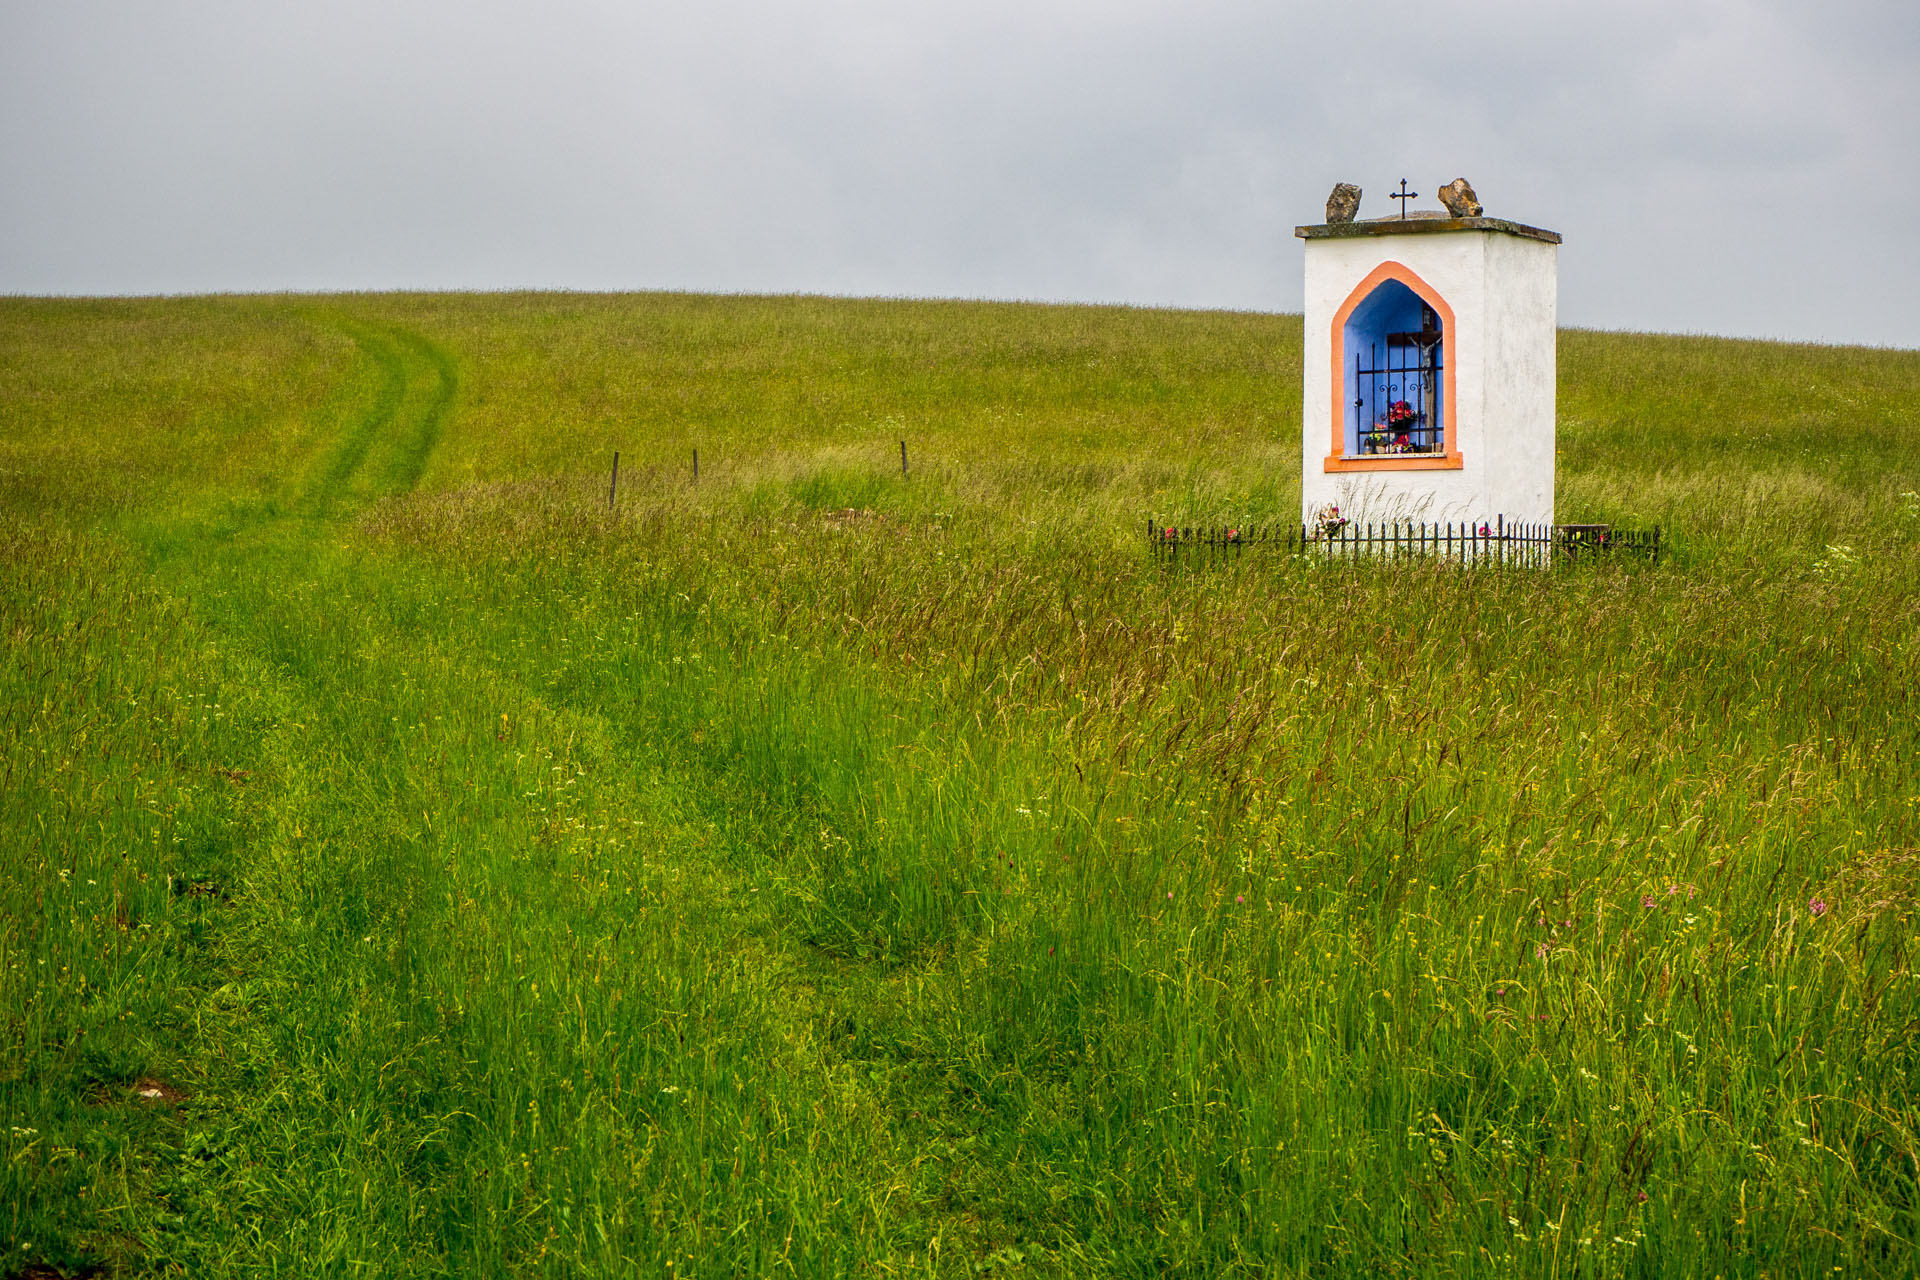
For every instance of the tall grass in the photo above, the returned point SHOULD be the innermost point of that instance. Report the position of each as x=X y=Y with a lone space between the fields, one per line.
x=820 y=870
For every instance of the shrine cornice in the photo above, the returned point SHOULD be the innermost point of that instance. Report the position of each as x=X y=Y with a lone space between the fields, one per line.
x=1418 y=225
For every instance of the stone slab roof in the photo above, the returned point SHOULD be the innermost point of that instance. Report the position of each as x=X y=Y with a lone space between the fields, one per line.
x=1422 y=222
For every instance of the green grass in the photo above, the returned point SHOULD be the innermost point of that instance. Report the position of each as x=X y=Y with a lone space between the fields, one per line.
x=820 y=872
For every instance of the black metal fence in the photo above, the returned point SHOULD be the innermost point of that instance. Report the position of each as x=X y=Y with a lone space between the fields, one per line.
x=1488 y=542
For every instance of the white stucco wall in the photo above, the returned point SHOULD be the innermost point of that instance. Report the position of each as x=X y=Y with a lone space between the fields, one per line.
x=1502 y=289
x=1522 y=292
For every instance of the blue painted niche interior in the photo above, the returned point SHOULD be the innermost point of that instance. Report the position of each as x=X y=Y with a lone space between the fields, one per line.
x=1392 y=309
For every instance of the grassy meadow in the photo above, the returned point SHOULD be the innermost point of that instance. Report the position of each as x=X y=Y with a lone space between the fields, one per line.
x=410 y=867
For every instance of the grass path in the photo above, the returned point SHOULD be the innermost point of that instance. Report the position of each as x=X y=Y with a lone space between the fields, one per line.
x=408 y=766
x=416 y=385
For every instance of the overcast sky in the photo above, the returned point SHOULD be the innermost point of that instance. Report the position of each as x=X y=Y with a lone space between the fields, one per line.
x=1725 y=167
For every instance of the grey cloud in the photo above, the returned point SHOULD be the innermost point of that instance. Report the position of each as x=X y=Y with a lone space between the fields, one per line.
x=1700 y=157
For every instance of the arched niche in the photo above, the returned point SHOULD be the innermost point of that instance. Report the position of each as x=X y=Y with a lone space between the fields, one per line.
x=1392 y=378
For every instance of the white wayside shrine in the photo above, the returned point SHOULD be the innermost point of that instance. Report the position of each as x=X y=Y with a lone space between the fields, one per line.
x=1429 y=381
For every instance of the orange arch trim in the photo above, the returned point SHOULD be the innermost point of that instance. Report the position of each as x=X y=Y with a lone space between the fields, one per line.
x=1336 y=458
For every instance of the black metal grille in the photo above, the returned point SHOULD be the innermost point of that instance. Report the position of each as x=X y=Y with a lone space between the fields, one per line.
x=1488 y=542
x=1396 y=393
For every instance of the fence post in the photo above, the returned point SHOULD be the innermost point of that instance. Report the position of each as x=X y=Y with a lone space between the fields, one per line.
x=903 y=459
x=614 y=486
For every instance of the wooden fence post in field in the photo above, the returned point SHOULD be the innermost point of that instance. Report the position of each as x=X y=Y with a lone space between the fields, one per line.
x=696 y=466
x=614 y=486
x=903 y=459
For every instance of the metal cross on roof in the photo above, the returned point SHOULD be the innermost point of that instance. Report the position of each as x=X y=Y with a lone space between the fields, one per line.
x=1403 y=195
